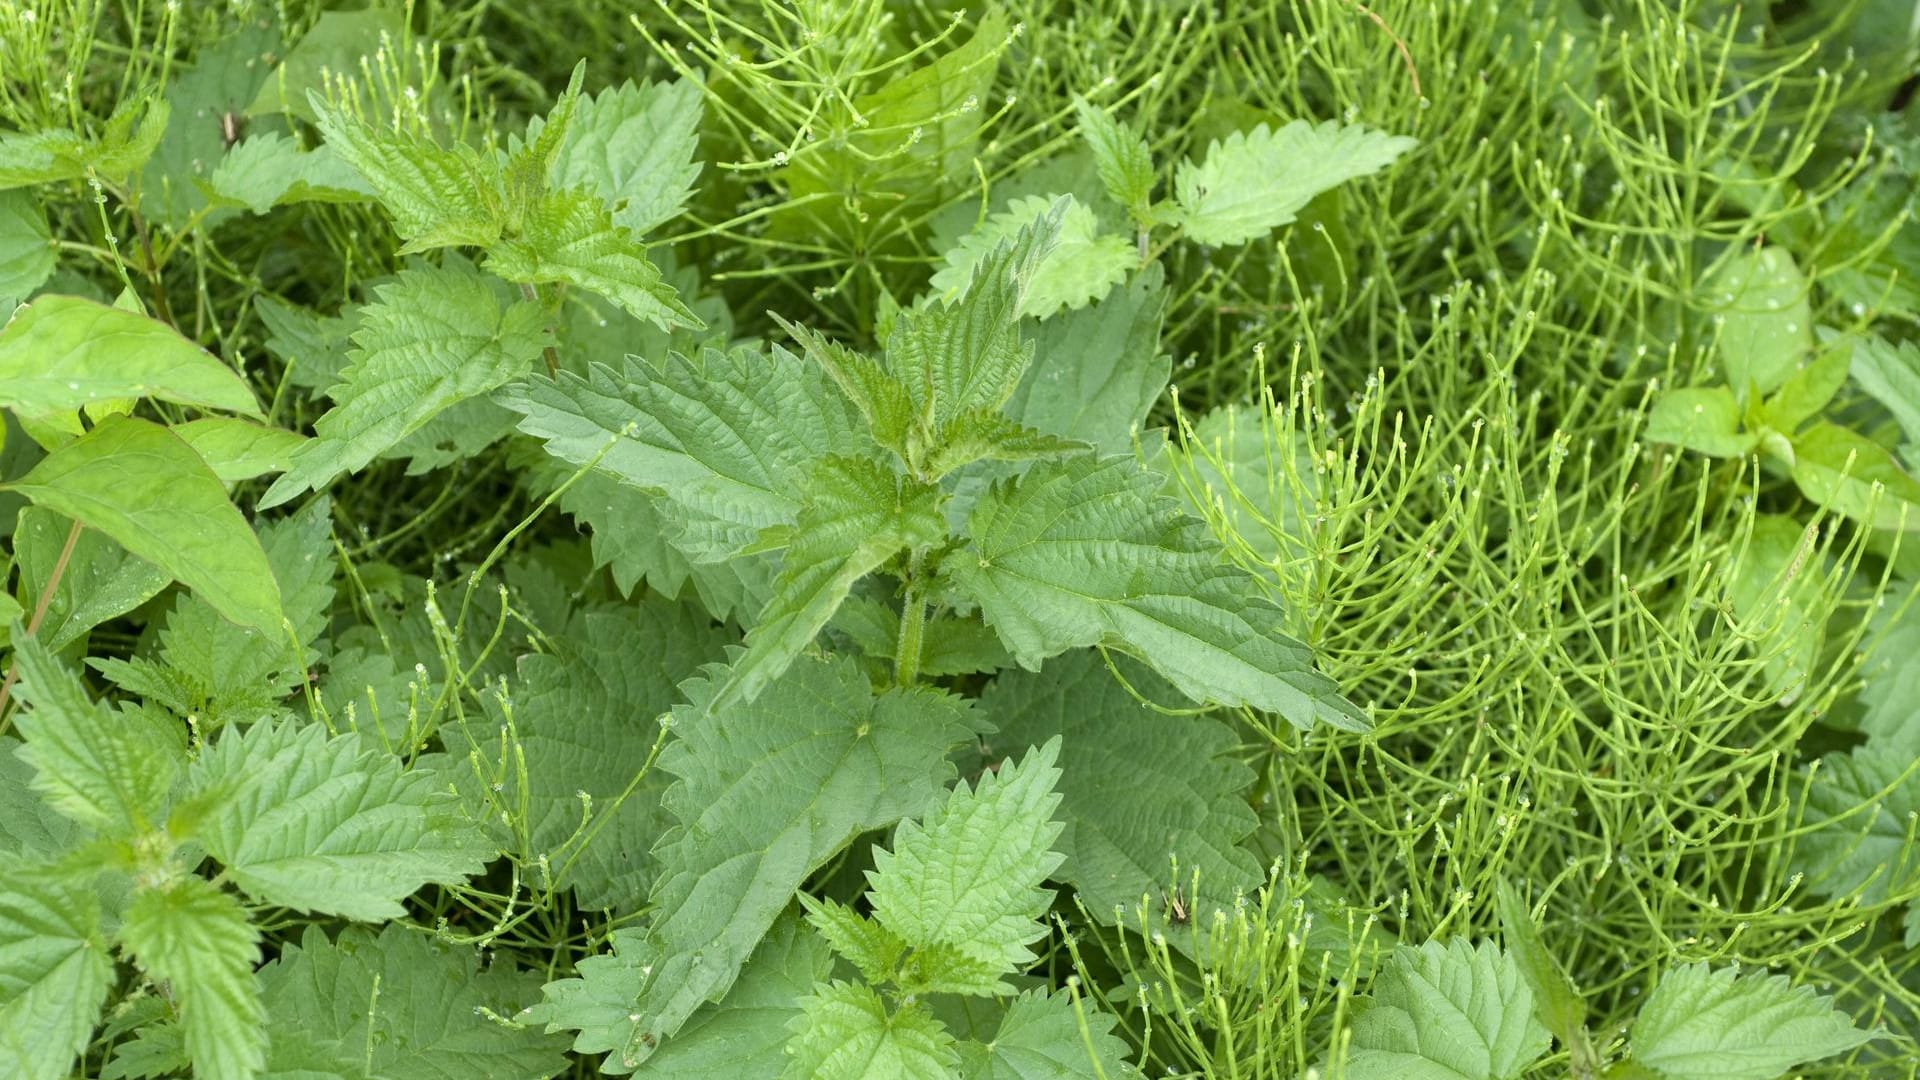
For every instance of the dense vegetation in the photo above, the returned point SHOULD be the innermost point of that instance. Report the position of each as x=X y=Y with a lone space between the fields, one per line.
x=921 y=538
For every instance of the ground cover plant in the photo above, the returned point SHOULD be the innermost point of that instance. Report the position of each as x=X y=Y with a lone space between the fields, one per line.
x=1045 y=538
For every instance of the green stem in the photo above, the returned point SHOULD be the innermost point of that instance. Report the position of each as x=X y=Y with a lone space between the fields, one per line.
x=39 y=614
x=913 y=624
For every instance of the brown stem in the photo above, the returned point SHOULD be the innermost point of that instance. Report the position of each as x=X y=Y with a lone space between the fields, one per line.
x=39 y=614
x=161 y=309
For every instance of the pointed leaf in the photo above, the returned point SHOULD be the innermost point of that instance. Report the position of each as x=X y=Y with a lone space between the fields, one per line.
x=26 y=248
x=969 y=879
x=437 y=197
x=745 y=1033
x=239 y=450
x=633 y=147
x=269 y=170
x=1257 y=180
x=1084 y=552
x=320 y=824
x=568 y=237
x=1853 y=475
x=1705 y=1024
x=55 y=971
x=435 y=337
x=1125 y=163
x=870 y=947
x=1040 y=1038
x=101 y=580
x=1557 y=1003
x=1701 y=418
x=197 y=940
x=846 y=1033
x=1891 y=374
x=60 y=353
x=1447 y=1012
x=1082 y=266
x=1759 y=299
x=143 y=486
x=1097 y=372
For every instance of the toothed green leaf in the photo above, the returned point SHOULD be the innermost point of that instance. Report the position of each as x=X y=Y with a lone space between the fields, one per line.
x=1256 y=181
x=197 y=940
x=1082 y=266
x=1040 y=1038
x=847 y=1033
x=568 y=237
x=1705 y=1024
x=55 y=971
x=1447 y=1012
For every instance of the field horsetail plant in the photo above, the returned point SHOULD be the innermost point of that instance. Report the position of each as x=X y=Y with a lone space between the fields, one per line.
x=937 y=540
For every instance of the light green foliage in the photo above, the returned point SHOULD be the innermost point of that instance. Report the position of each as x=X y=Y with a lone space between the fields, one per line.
x=767 y=792
x=633 y=146
x=119 y=149
x=26 y=251
x=398 y=1004
x=435 y=338
x=858 y=514
x=1891 y=374
x=112 y=773
x=1853 y=475
x=1859 y=808
x=212 y=670
x=1086 y=552
x=1125 y=163
x=239 y=450
x=1447 y=1012
x=723 y=438
x=1260 y=478
x=569 y=237
x=225 y=75
x=1702 y=1023
x=63 y=353
x=1775 y=591
x=1255 y=181
x=1040 y=1038
x=1557 y=1003
x=1096 y=372
x=1704 y=419
x=962 y=889
x=270 y=170
x=1759 y=299
x=54 y=974
x=745 y=1033
x=438 y=197
x=1082 y=266
x=1124 y=818
x=29 y=828
x=322 y=824
x=584 y=718
x=196 y=939
x=845 y=1032
x=337 y=43
x=101 y=580
x=146 y=488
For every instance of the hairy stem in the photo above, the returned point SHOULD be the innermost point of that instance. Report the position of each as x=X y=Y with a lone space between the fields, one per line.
x=913 y=624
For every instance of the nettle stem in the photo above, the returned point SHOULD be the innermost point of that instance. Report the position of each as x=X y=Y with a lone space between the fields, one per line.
x=913 y=624
x=39 y=615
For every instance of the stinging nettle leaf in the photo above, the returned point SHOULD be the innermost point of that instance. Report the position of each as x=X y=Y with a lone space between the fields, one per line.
x=323 y=824
x=1096 y=372
x=197 y=940
x=436 y=337
x=124 y=143
x=1705 y=1024
x=568 y=237
x=1121 y=154
x=1086 y=552
x=745 y=1033
x=144 y=486
x=1081 y=267
x=1256 y=181
x=846 y=1032
x=55 y=972
x=437 y=197
x=633 y=146
x=1039 y=1038
x=1447 y=1012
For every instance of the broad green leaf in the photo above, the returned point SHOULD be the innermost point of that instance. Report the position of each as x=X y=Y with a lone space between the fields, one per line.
x=1759 y=300
x=870 y=385
x=966 y=353
x=724 y=438
x=858 y=514
x=987 y=435
x=145 y=487
x=400 y=1004
x=1859 y=807
x=436 y=337
x=745 y=1033
x=1705 y=1024
x=55 y=971
x=1085 y=552
x=530 y=158
x=633 y=147
x=969 y=879
x=1082 y=266
x=336 y=45
x=845 y=1032
x=1809 y=387
x=227 y=71
x=239 y=450
x=586 y=717
x=1039 y=1038
x=1137 y=787
x=30 y=830
x=197 y=940
x=934 y=100
x=1890 y=694
x=1891 y=374
x=109 y=771
x=215 y=671
x=1256 y=181
x=1775 y=589
x=1125 y=163
x=436 y=196
x=271 y=170
x=870 y=947
x=26 y=248
x=1556 y=1003
x=1853 y=475
x=1705 y=419
x=61 y=353
x=118 y=150
x=768 y=792
x=313 y=347
x=322 y=824
x=1447 y=1012
x=101 y=581
x=1096 y=372
x=568 y=237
